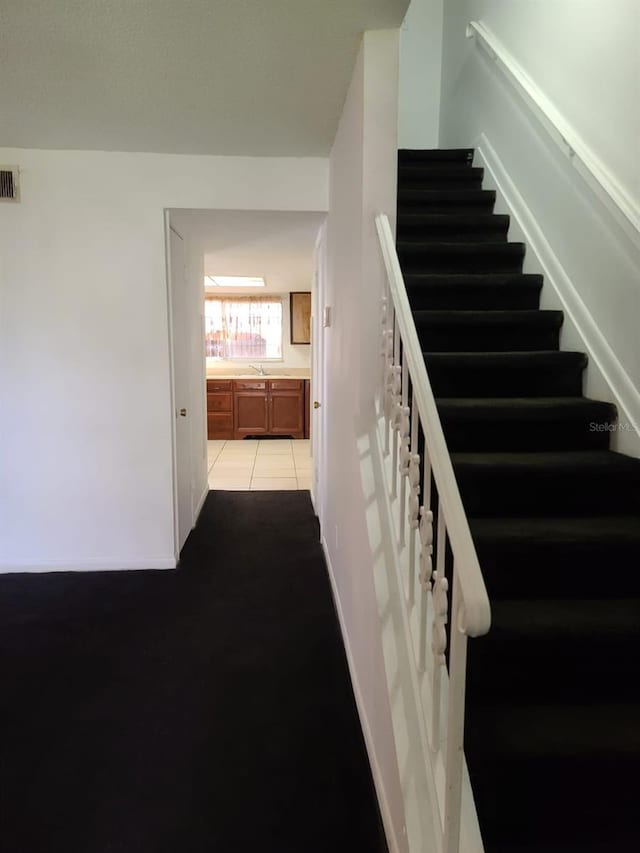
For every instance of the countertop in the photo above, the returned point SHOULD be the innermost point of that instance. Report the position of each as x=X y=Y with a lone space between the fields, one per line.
x=294 y=373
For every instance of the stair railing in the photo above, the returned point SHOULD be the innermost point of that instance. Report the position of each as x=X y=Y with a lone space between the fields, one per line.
x=426 y=492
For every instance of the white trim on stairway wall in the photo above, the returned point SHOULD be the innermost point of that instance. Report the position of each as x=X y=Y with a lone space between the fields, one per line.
x=605 y=372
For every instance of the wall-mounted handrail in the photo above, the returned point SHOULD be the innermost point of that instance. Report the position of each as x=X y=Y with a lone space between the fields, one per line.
x=476 y=618
x=586 y=162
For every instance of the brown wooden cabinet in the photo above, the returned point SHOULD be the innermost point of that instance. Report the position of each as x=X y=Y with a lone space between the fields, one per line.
x=241 y=407
x=219 y=408
x=268 y=407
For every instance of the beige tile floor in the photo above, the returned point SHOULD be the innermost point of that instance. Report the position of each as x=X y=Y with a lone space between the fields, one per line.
x=268 y=464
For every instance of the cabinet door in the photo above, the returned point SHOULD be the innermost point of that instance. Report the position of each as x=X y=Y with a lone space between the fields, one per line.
x=219 y=425
x=250 y=413
x=286 y=415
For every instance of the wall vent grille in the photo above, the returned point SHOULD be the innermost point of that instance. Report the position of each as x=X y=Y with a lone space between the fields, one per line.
x=9 y=186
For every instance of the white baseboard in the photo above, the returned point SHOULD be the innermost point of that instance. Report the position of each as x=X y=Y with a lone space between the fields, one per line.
x=622 y=390
x=90 y=565
x=385 y=811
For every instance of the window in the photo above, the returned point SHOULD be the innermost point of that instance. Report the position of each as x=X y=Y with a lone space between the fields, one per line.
x=243 y=327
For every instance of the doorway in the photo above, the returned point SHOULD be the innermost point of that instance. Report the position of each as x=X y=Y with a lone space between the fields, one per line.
x=216 y=388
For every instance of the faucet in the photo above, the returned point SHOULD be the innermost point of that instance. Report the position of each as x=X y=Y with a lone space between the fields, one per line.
x=259 y=369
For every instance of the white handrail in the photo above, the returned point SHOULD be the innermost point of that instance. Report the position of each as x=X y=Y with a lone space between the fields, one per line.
x=588 y=165
x=475 y=616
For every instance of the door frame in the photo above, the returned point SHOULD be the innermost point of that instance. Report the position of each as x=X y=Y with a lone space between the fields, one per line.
x=318 y=376
x=168 y=228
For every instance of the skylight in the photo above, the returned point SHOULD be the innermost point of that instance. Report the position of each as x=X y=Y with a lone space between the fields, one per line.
x=234 y=281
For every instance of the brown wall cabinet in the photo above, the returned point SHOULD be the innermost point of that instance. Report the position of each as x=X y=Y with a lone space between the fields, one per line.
x=240 y=407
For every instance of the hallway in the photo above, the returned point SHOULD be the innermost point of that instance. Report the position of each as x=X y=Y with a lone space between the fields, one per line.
x=198 y=710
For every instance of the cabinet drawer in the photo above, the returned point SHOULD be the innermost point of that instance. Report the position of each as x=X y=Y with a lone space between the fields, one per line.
x=219 y=385
x=220 y=402
x=286 y=384
x=219 y=425
x=250 y=385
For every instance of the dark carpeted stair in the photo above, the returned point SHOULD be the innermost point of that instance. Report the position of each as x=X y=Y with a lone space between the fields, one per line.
x=553 y=695
x=473 y=331
x=473 y=291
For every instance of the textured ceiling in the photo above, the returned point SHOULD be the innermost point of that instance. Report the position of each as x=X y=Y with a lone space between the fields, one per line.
x=244 y=77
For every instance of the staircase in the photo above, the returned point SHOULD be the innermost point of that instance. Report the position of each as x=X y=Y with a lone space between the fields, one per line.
x=552 y=736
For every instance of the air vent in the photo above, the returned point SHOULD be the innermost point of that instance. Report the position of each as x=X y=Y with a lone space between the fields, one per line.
x=9 y=186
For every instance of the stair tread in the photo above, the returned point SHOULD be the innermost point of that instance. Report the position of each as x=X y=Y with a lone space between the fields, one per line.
x=523 y=407
x=510 y=358
x=554 y=461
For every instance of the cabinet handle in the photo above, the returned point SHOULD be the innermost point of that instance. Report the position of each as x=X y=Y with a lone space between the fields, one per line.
x=316 y=404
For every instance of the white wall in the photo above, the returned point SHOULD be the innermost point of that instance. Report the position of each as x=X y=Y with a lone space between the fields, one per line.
x=361 y=183
x=420 y=73
x=583 y=56
x=84 y=371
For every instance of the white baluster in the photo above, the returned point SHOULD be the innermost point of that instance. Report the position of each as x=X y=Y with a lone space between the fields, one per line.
x=413 y=517
x=396 y=406
x=439 y=635
x=426 y=550
x=455 y=723
x=403 y=465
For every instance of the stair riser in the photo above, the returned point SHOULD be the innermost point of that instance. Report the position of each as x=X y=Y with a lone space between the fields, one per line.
x=422 y=260
x=549 y=672
x=517 y=573
x=444 y=157
x=473 y=297
x=444 y=202
x=562 y=801
x=515 y=492
x=449 y=381
x=420 y=234
x=496 y=338
x=412 y=179
x=517 y=436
